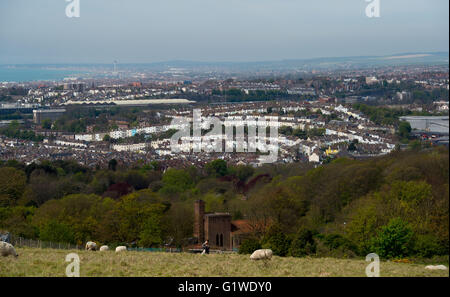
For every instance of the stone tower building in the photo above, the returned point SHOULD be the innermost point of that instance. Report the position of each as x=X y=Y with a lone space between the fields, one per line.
x=199 y=223
x=215 y=227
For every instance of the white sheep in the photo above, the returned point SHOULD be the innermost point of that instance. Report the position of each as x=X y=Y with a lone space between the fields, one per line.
x=261 y=255
x=91 y=246
x=7 y=249
x=437 y=267
x=121 y=249
x=104 y=248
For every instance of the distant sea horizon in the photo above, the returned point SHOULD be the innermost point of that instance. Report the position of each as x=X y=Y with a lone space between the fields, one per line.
x=57 y=72
x=30 y=74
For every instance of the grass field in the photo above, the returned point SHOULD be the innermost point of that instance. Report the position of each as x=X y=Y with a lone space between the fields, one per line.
x=48 y=263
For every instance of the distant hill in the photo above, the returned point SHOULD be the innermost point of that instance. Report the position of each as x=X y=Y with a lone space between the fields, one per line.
x=422 y=58
x=54 y=71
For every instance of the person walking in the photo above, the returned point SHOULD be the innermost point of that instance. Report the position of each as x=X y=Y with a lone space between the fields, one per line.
x=205 y=247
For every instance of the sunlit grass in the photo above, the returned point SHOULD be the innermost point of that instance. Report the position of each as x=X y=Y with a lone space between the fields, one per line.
x=47 y=262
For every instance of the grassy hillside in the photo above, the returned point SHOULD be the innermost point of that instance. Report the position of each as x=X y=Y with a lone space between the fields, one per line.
x=49 y=263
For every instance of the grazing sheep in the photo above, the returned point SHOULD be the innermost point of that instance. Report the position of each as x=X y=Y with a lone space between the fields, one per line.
x=91 y=246
x=437 y=267
x=5 y=237
x=104 y=248
x=7 y=249
x=121 y=249
x=261 y=255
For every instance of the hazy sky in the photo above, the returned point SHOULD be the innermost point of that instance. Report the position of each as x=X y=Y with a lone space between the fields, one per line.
x=38 y=31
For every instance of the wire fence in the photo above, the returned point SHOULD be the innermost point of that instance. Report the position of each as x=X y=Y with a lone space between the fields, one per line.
x=161 y=250
x=18 y=241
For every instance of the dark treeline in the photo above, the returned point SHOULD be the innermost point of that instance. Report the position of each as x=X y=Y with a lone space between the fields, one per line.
x=396 y=205
x=237 y=95
x=418 y=94
x=387 y=116
x=15 y=130
x=77 y=119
